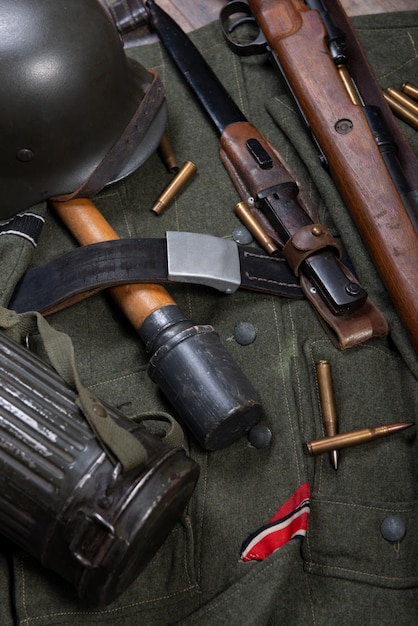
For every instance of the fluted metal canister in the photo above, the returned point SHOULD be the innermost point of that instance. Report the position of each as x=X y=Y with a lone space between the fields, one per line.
x=63 y=500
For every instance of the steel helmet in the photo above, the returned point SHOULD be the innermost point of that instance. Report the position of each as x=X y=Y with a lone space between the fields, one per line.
x=75 y=112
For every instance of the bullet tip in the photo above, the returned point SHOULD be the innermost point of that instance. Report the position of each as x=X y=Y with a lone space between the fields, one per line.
x=396 y=427
x=334 y=459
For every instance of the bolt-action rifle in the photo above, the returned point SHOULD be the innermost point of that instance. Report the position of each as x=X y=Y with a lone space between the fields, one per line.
x=371 y=163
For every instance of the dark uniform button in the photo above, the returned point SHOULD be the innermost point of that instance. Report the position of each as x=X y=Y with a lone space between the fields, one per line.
x=260 y=436
x=244 y=333
x=393 y=528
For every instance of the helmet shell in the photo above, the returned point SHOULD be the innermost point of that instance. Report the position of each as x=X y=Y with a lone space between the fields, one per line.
x=67 y=93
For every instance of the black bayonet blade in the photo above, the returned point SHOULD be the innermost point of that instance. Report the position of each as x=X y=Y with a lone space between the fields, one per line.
x=340 y=293
x=212 y=95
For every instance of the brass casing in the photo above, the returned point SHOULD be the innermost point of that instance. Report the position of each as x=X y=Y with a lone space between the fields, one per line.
x=174 y=187
x=247 y=218
x=410 y=90
x=400 y=110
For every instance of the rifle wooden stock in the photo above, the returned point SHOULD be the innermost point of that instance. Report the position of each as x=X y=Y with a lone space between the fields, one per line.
x=88 y=226
x=297 y=37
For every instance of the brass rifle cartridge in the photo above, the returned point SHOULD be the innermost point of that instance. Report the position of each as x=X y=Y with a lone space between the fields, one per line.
x=405 y=113
x=404 y=99
x=247 y=218
x=354 y=438
x=174 y=187
x=166 y=152
x=411 y=90
x=349 y=85
x=326 y=397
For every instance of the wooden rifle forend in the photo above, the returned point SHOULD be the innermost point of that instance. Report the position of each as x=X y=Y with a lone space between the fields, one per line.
x=296 y=36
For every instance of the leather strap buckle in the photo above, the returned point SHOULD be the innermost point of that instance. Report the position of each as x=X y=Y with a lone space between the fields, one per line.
x=204 y=260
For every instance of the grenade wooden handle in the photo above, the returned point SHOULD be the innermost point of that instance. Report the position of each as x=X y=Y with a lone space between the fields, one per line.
x=88 y=226
x=188 y=362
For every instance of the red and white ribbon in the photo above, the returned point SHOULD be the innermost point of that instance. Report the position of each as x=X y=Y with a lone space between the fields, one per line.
x=289 y=522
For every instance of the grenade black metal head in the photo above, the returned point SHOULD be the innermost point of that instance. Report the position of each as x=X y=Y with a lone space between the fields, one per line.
x=71 y=114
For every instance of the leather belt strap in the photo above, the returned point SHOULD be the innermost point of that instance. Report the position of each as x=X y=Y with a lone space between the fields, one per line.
x=181 y=258
x=127 y=145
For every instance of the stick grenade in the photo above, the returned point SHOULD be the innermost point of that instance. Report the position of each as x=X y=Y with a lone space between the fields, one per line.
x=189 y=363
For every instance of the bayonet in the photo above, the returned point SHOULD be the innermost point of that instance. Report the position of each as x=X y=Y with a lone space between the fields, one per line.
x=261 y=176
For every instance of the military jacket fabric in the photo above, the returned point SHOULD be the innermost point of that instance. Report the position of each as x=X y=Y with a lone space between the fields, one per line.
x=343 y=570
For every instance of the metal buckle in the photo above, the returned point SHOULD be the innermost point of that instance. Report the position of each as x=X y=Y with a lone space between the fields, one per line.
x=203 y=260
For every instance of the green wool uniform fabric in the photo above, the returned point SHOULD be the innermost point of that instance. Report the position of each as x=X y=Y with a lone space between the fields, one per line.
x=343 y=571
